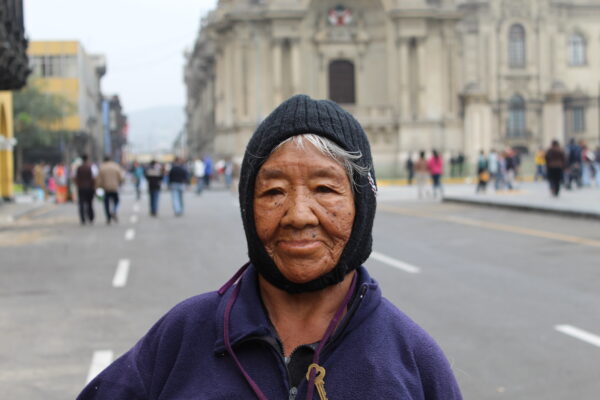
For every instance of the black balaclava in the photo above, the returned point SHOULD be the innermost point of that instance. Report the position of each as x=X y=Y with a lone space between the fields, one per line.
x=298 y=115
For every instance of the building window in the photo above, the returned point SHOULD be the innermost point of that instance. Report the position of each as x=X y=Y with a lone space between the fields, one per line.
x=578 y=119
x=576 y=50
x=48 y=66
x=516 y=117
x=575 y=118
x=516 y=46
x=341 y=82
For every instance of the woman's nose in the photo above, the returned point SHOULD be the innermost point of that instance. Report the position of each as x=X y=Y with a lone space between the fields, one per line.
x=299 y=212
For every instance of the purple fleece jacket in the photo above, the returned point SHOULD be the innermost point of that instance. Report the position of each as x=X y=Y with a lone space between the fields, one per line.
x=377 y=352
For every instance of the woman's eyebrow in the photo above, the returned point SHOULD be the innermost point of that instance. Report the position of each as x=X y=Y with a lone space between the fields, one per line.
x=324 y=173
x=267 y=173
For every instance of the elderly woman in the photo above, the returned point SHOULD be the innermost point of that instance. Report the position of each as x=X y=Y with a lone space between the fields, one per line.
x=303 y=319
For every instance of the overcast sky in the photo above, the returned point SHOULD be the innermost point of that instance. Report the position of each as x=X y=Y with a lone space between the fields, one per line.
x=143 y=41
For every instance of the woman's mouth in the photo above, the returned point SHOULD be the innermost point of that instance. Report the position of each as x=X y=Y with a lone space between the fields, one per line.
x=299 y=246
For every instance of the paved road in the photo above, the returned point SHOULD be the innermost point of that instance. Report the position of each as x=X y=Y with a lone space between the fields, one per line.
x=490 y=286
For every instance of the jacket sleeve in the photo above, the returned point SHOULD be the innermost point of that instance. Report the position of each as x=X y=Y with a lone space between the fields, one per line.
x=122 y=380
x=436 y=373
x=130 y=376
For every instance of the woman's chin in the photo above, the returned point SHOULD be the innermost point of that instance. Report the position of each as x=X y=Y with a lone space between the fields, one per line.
x=303 y=273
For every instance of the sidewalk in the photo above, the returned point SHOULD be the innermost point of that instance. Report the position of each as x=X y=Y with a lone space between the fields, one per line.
x=20 y=207
x=531 y=196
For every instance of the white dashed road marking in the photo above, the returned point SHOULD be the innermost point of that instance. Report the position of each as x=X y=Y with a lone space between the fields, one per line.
x=136 y=207
x=133 y=219
x=100 y=360
x=579 y=334
x=129 y=234
x=411 y=269
x=120 y=278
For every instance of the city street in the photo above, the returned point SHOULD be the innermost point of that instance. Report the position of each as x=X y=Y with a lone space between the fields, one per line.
x=512 y=297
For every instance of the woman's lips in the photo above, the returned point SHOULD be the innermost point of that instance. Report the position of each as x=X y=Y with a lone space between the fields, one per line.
x=299 y=245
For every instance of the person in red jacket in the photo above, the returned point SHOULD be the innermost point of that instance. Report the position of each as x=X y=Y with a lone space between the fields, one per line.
x=435 y=164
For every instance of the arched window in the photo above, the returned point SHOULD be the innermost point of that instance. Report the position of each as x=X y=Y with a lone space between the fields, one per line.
x=576 y=50
x=516 y=46
x=341 y=82
x=516 y=117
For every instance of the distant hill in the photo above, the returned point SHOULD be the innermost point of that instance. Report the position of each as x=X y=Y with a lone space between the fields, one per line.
x=154 y=129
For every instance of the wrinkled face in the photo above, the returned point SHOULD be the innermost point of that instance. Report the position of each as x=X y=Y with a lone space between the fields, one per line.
x=303 y=210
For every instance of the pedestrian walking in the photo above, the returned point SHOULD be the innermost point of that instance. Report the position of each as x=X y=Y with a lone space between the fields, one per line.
x=597 y=166
x=483 y=175
x=510 y=166
x=208 y=171
x=59 y=173
x=421 y=174
x=540 y=165
x=573 y=170
x=27 y=177
x=228 y=173
x=199 y=175
x=435 y=164
x=302 y=319
x=110 y=178
x=410 y=169
x=39 y=180
x=137 y=170
x=86 y=187
x=493 y=168
x=154 y=176
x=555 y=165
x=587 y=164
x=178 y=179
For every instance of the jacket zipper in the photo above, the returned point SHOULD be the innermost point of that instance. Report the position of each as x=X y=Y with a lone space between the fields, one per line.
x=293 y=390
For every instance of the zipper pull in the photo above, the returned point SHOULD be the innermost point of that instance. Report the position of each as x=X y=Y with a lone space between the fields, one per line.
x=293 y=393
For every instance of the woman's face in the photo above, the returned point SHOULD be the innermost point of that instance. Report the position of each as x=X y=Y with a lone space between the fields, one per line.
x=303 y=210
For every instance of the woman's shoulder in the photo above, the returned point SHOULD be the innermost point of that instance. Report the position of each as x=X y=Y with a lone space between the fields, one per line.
x=199 y=307
x=406 y=334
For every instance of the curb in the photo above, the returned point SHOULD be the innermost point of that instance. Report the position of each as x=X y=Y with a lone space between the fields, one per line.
x=524 y=207
x=24 y=213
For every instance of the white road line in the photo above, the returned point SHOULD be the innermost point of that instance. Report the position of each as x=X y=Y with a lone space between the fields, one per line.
x=136 y=207
x=129 y=234
x=100 y=360
x=120 y=278
x=579 y=334
x=133 y=219
x=395 y=263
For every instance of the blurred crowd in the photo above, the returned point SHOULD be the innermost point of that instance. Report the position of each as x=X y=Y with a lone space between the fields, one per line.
x=82 y=181
x=575 y=166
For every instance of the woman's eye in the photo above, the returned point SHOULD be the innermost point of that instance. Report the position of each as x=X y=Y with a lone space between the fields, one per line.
x=272 y=192
x=324 y=189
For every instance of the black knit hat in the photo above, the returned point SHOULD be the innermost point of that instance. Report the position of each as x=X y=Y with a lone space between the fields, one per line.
x=295 y=116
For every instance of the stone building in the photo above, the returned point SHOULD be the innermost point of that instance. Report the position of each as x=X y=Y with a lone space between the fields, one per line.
x=458 y=76
x=114 y=123
x=13 y=75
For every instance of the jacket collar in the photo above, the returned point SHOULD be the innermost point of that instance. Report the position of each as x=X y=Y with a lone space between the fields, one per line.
x=249 y=317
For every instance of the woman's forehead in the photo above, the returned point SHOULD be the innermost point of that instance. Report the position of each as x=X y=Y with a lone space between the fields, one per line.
x=306 y=156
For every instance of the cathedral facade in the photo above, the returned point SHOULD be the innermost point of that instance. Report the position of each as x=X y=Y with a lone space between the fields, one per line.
x=456 y=76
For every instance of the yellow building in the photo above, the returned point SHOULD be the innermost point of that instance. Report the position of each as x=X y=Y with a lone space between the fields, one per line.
x=6 y=145
x=64 y=68
x=13 y=74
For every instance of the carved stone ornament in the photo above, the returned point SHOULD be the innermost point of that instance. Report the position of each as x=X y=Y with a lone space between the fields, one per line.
x=516 y=8
x=339 y=16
